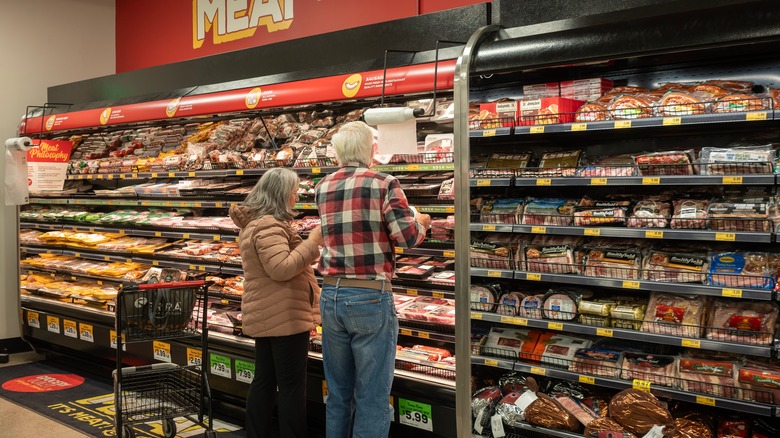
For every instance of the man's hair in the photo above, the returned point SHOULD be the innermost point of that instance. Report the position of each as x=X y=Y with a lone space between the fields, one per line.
x=354 y=143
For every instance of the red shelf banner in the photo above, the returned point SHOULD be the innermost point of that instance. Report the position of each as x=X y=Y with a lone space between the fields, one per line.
x=400 y=80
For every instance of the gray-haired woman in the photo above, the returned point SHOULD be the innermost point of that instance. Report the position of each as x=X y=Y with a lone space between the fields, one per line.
x=280 y=304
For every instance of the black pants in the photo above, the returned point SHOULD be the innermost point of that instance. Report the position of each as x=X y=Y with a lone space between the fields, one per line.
x=279 y=362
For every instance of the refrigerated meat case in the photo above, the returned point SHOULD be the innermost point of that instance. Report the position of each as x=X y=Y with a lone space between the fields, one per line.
x=66 y=303
x=731 y=42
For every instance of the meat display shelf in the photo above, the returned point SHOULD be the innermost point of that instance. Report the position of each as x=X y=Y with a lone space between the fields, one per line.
x=631 y=335
x=648 y=181
x=492 y=273
x=424 y=292
x=660 y=391
x=643 y=233
x=682 y=288
x=135 y=202
x=432 y=252
x=491 y=182
x=435 y=209
x=497 y=132
x=232 y=270
x=131 y=232
x=68 y=275
x=650 y=122
x=425 y=334
x=221 y=173
x=423 y=167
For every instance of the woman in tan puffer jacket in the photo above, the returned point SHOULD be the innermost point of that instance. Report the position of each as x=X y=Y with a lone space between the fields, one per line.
x=280 y=304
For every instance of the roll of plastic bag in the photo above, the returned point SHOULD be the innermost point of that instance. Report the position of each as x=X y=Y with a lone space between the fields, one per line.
x=16 y=180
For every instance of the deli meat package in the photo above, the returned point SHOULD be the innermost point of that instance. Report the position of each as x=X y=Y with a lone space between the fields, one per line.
x=510 y=303
x=676 y=265
x=709 y=374
x=685 y=428
x=638 y=411
x=596 y=362
x=738 y=160
x=665 y=163
x=591 y=212
x=483 y=405
x=563 y=303
x=690 y=214
x=742 y=322
x=760 y=382
x=551 y=211
x=605 y=427
x=558 y=350
x=675 y=315
x=490 y=255
x=655 y=368
x=482 y=297
x=548 y=412
x=650 y=213
x=741 y=269
x=614 y=261
x=512 y=407
x=552 y=254
x=740 y=215
x=511 y=343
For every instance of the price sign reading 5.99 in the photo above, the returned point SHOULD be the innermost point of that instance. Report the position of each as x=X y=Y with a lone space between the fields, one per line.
x=415 y=414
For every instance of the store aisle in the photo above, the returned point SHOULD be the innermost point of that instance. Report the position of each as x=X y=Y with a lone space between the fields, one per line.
x=20 y=422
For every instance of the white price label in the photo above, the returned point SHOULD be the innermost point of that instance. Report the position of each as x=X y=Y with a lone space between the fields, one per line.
x=69 y=328
x=497 y=426
x=194 y=357
x=162 y=351
x=86 y=332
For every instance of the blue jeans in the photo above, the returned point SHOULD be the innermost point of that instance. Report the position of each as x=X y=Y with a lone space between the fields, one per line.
x=359 y=335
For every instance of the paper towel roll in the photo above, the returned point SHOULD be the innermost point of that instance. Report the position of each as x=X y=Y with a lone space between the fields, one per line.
x=385 y=116
x=19 y=143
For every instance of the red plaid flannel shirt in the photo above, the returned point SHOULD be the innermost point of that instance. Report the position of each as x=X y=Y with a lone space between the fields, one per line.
x=365 y=215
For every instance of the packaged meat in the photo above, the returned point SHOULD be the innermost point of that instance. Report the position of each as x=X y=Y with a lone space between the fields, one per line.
x=740 y=102
x=628 y=316
x=444 y=278
x=551 y=211
x=579 y=410
x=419 y=309
x=417 y=272
x=548 y=412
x=650 y=214
x=738 y=160
x=655 y=368
x=531 y=307
x=511 y=343
x=512 y=407
x=591 y=112
x=547 y=110
x=740 y=216
x=401 y=301
x=444 y=315
x=439 y=148
x=510 y=303
x=676 y=266
x=447 y=189
x=628 y=107
x=760 y=382
x=501 y=211
x=741 y=270
x=596 y=362
x=483 y=404
x=708 y=376
x=675 y=315
x=552 y=254
x=412 y=260
x=555 y=164
x=684 y=428
x=613 y=262
x=638 y=411
x=595 y=313
x=680 y=103
x=606 y=427
x=559 y=350
x=490 y=255
x=734 y=428
x=512 y=382
x=614 y=214
x=665 y=163
x=561 y=304
x=619 y=165
x=742 y=322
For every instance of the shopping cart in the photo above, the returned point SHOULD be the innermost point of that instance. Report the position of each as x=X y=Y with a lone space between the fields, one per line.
x=161 y=391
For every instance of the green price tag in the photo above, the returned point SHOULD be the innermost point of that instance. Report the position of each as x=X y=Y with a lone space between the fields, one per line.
x=220 y=366
x=415 y=414
x=245 y=371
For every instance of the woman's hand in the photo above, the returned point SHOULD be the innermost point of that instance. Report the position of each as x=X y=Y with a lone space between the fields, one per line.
x=315 y=235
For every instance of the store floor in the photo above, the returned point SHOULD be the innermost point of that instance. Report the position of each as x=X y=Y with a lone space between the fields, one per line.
x=20 y=422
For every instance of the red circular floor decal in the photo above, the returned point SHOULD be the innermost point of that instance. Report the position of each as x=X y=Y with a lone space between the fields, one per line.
x=43 y=383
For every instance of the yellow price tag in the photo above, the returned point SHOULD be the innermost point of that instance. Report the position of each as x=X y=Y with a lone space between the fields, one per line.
x=449 y=254
x=154 y=175
x=483 y=183
x=534 y=277
x=641 y=385
x=622 y=124
x=537 y=129
x=587 y=379
x=732 y=293
x=316 y=170
x=651 y=181
x=554 y=326
x=592 y=232
x=476 y=315
x=201 y=268
x=489 y=133
x=414 y=167
x=491 y=362
x=539 y=371
x=651 y=234
x=100 y=176
x=449 y=209
x=691 y=343
x=579 y=126
x=520 y=321
x=607 y=333
x=185 y=236
x=399 y=250
x=192 y=267
x=424 y=335
x=191 y=174
x=216 y=238
x=708 y=401
x=493 y=273
x=406 y=332
x=725 y=237
x=758 y=115
x=599 y=181
x=155 y=263
x=539 y=230
x=171 y=174
x=630 y=284
x=732 y=180
x=543 y=182
x=218 y=205
x=438 y=294
x=411 y=291
x=672 y=121
x=507 y=320
x=157 y=234
x=239 y=172
x=488 y=228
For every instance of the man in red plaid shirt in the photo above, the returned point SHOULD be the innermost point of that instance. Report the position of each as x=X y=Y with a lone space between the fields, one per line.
x=365 y=215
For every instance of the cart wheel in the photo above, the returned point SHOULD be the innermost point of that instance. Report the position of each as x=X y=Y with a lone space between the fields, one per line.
x=128 y=431
x=169 y=428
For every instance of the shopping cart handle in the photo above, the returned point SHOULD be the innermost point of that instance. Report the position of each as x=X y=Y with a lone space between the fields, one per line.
x=176 y=284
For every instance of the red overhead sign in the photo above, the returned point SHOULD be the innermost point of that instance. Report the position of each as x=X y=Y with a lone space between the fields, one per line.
x=401 y=80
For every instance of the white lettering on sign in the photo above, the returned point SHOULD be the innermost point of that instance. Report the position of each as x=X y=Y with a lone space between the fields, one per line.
x=230 y=20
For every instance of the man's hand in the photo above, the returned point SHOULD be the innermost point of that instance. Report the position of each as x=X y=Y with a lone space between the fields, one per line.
x=424 y=220
x=315 y=235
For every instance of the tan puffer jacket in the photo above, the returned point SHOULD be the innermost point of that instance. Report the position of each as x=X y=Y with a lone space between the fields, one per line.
x=281 y=296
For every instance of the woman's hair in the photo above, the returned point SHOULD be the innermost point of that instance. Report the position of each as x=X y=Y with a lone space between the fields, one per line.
x=354 y=143
x=271 y=195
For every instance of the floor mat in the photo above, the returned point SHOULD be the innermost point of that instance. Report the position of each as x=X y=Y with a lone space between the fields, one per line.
x=82 y=401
